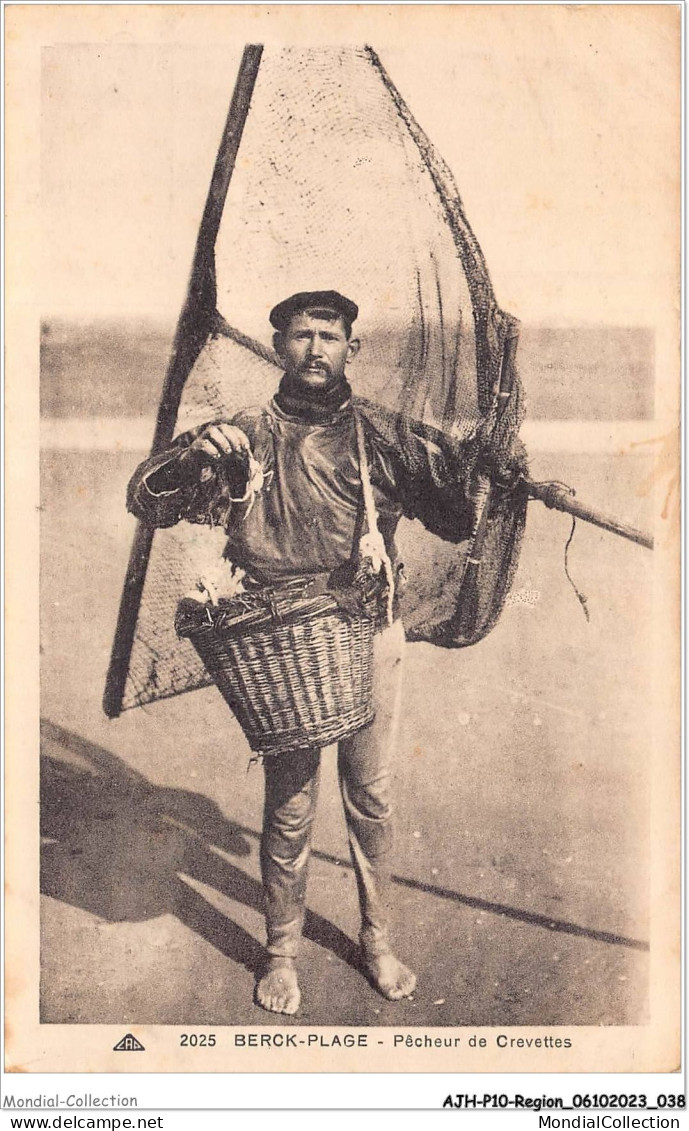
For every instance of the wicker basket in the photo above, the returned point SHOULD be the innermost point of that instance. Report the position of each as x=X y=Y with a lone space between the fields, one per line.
x=295 y=673
x=294 y=664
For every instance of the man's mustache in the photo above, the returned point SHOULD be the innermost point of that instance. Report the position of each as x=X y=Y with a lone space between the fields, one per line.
x=312 y=364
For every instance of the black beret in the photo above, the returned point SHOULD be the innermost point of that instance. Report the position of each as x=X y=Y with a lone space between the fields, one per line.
x=313 y=300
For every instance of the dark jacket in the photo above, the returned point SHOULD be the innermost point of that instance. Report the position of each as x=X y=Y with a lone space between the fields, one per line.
x=309 y=513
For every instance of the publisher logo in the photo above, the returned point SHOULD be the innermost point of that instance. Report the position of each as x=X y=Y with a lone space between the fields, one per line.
x=129 y=1043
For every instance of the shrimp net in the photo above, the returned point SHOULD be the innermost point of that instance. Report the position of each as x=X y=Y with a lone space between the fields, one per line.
x=336 y=187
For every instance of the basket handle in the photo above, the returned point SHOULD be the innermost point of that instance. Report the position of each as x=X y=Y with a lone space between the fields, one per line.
x=375 y=538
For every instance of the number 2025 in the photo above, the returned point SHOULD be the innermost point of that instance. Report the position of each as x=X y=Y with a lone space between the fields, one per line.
x=197 y=1040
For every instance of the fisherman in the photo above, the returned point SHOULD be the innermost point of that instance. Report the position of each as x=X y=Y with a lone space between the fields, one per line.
x=303 y=522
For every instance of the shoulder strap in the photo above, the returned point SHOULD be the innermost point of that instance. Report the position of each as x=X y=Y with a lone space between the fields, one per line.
x=369 y=502
x=376 y=542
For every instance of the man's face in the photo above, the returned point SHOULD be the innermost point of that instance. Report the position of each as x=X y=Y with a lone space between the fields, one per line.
x=315 y=349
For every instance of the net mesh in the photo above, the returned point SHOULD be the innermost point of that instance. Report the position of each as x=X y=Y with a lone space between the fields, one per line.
x=336 y=187
x=331 y=192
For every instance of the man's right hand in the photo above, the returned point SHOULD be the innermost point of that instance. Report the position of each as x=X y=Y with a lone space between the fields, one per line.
x=189 y=466
x=217 y=441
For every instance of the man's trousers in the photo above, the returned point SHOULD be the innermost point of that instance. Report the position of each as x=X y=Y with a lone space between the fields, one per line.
x=365 y=766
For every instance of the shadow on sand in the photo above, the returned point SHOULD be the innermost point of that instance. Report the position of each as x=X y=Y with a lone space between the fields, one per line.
x=118 y=846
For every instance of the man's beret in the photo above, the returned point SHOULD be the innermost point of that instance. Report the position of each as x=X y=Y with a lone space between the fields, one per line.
x=312 y=300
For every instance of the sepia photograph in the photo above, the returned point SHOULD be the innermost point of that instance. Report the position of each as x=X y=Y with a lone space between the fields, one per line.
x=356 y=337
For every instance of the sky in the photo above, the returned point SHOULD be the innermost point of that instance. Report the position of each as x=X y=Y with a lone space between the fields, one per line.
x=560 y=125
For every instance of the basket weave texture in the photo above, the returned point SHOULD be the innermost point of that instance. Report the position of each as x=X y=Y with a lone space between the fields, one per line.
x=298 y=676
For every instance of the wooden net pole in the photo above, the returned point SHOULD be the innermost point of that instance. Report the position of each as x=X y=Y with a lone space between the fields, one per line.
x=562 y=498
x=193 y=327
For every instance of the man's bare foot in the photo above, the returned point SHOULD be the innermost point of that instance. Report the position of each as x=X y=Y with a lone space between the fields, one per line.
x=278 y=989
x=389 y=976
